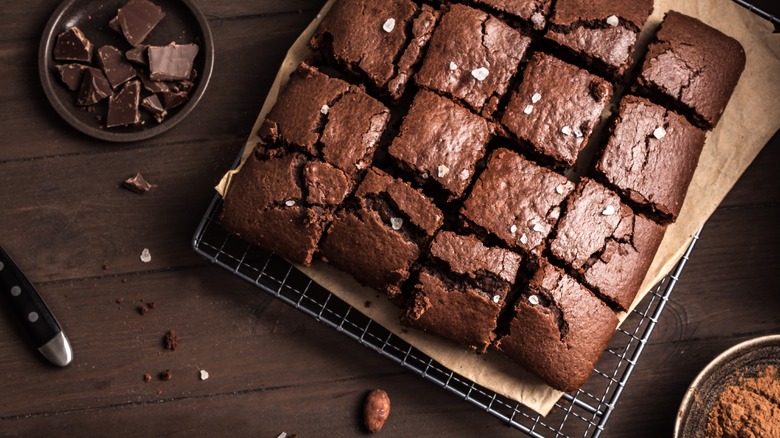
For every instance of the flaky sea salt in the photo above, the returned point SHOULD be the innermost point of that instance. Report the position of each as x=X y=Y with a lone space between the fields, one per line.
x=396 y=223
x=523 y=239
x=146 y=256
x=528 y=109
x=496 y=298
x=566 y=130
x=389 y=25
x=559 y=190
x=289 y=203
x=659 y=132
x=424 y=175
x=204 y=375
x=325 y=109
x=613 y=20
x=513 y=229
x=538 y=228
x=443 y=171
x=453 y=66
x=533 y=300
x=480 y=74
x=536 y=97
x=577 y=132
x=608 y=211
x=464 y=174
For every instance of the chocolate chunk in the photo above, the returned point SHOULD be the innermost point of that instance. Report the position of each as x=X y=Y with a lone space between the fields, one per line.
x=139 y=185
x=71 y=75
x=94 y=87
x=172 y=100
x=184 y=86
x=137 y=55
x=154 y=106
x=136 y=19
x=165 y=375
x=72 y=45
x=172 y=62
x=115 y=66
x=153 y=86
x=123 y=106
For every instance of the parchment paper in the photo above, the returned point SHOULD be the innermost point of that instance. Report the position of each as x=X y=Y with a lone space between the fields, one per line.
x=750 y=120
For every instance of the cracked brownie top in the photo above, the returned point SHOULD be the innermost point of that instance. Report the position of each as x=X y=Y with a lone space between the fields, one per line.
x=534 y=12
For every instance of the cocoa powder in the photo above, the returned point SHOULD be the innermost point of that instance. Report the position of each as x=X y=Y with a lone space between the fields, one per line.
x=751 y=408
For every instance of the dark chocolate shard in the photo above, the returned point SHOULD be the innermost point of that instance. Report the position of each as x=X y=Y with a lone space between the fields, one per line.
x=114 y=25
x=137 y=19
x=137 y=55
x=153 y=86
x=94 y=87
x=172 y=62
x=172 y=100
x=71 y=75
x=138 y=184
x=185 y=86
x=72 y=45
x=154 y=106
x=115 y=66
x=123 y=106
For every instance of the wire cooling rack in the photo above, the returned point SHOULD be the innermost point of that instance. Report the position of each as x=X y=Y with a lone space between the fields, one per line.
x=580 y=413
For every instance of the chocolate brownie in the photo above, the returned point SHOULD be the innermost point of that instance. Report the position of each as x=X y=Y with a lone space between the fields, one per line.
x=608 y=246
x=693 y=66
x=516 y=201
x=441 y=140
x=327 y=118
x=471 y=57
x=534 y=12
x=602 y=32
x=380 y=234
x=380 y=41
x=650 y=157
x=283 y=202
x=558 y=329
x=556 y=107
x=462 y=289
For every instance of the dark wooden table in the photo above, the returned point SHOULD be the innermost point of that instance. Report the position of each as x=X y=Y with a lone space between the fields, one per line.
x=272 y=369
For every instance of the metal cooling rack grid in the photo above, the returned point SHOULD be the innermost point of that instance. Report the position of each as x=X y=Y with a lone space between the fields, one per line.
x=581 y=413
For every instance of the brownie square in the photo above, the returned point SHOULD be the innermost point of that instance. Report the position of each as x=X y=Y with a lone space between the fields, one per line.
x=379 y=41
x=601 y=32
x=534 y=12
x=608 y=246
x=462 y=289
x=650 y=157
x=471 y=57
x=516 y=201
x=555 y=108
x=326 y=118
x=441 y=140
x=694 y=67
x=381 y=233
x=559 y=329
x=266 y=205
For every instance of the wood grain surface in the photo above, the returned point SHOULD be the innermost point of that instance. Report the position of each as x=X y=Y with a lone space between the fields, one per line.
x=78 y=236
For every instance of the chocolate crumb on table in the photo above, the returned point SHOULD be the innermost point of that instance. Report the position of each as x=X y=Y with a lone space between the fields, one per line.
x=170 y=340
x=608 y=246
x=471 y=57
x=558 y=329
x=165 y=375
x=372 y=40
x=603 y=33
x=462 y=289
x=147 y=377
x=650 y=157
x=693 y=68
x=555 y=108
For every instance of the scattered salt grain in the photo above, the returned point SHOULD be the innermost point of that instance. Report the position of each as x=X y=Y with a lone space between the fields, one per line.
x=559 y=189
x=513 y=229
x=464 y=174
x=146 y=256
x=480 y=73
x=396 y=223
x=609 y=211
x=204 y=375
x=538 y=228
x=443 y=171
x=425 y=175
x=523 y=239
x=496 y=298
x=577 y=132
x=453 y=66
x=325 y=109
x=389 y=25
x=289 y=203
x=534 y=300
x=566 y=130
x=659 y=132
x=613 y=20
x=528 y=109
x=536 y=97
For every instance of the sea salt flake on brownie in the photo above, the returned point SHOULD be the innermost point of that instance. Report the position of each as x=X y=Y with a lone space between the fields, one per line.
x=480 y=74
x=534 y=300
x=608 y=211
x=289 y=203
x=659 y=133
x=613 y=20
x=453 y=66
x=443 y=171
x=325 y=110
x=536 y=97
x=389 y=25
x=396 y=223
x=528 y=109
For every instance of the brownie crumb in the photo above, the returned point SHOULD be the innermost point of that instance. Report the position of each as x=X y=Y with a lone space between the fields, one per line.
x=170 y=340
x=120 y=300
x=146 y=307
x=165 y=375
x=147 y=377
x=367 y=304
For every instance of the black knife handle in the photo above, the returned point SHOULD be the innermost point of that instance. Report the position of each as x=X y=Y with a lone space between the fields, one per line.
x=26 y=303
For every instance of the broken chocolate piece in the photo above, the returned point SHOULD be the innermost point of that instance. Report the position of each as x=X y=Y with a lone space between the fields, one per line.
x=123 y=106
x=137 y=54
x=172 y=62
x=153 y=86
x=184 y=86
x=139 y=185
x=172 y=100
x=170 y=340
x=72 y=45
x=94 y=87
x=71 y=75
x=115 y=66
x=154 y=106
x=136 y=19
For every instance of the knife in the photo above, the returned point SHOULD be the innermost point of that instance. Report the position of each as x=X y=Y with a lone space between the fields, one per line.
x=33 y=313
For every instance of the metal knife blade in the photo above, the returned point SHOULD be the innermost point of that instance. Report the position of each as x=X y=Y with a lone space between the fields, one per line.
x=36 y=317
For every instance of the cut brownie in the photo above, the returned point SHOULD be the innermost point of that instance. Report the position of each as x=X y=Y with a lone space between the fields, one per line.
x=380 y=41
x=283 y=202
x=556 y=108
x=693 y=66
x=517 y=201
x=559 y=329
x=379 y=235
x=651 y=156
x=326 y=118
x=605 y=243
x=602 y=32
x=472 y=56
x=462 y=289
x=442 y=140
x=534 y=12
